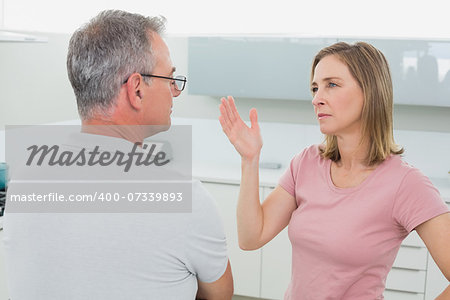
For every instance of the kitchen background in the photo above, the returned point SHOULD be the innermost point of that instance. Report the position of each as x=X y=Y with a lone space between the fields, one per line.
x=34 y=89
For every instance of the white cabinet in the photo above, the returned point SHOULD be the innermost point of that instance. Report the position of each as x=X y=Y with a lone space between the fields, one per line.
x=3 y=287
x=435 y=282
x=413 y=258
x=276 y=263
x=276 y=266
x=407 y=278
x=418 y=67
x=245 y=265
x=397 y=295
x=411 y=281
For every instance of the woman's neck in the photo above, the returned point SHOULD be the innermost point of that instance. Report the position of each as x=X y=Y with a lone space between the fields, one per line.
x=353 y=153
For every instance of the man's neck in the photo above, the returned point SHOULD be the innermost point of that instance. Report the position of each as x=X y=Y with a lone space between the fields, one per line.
x=130 y=133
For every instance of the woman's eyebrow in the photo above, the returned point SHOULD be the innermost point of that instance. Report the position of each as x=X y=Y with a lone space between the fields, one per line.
x=327 y=79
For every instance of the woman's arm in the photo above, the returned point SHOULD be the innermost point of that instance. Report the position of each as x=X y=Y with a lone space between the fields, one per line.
x=257 y=224
x=435 y=233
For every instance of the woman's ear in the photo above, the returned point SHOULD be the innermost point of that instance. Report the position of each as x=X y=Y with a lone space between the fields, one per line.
x=134 y=92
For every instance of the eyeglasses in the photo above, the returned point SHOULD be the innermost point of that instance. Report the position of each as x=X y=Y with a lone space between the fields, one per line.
x=179 y=80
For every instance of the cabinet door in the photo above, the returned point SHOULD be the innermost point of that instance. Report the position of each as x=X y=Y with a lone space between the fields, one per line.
x=3 y=287
x=412 y=281
x=276 y=264
x=413 y=240
x=245 y=265
x=414 y=258
x=397 y=295
x=436 y=282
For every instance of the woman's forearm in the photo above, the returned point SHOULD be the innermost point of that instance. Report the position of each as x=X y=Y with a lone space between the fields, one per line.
x=249 y=209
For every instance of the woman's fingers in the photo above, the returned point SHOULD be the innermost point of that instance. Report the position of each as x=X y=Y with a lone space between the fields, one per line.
x=231 y=110
x=232 y=124
x=224 y=125
x=224 y=118
x=254 y=119
x=233 y=113
x=225 y=110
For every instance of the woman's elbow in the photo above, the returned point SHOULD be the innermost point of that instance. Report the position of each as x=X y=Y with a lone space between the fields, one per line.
x=249 y=246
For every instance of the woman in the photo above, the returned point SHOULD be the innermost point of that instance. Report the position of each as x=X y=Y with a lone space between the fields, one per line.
x=349 y=202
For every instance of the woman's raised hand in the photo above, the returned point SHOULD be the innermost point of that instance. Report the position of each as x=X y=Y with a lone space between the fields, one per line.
x=246 y=140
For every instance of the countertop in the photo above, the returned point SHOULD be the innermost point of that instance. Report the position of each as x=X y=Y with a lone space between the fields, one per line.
x=231 y=174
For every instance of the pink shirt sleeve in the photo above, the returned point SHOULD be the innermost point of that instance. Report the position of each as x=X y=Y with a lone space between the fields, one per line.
x=417 y=201
x=287 y=180
x=304 y=161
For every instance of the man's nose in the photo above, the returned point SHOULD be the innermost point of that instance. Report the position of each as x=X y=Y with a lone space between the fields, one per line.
x=175 y=92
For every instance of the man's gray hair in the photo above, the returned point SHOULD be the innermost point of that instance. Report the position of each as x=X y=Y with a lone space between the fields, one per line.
x=104 y=53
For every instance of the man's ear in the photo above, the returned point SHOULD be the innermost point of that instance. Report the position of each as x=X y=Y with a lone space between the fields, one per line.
x=134 y=87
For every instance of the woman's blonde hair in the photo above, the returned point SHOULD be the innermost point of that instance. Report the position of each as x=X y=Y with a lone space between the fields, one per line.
x=371 y=70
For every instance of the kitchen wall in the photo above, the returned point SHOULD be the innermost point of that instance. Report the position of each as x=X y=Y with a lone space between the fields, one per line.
x=34 y=89
x=407 y=117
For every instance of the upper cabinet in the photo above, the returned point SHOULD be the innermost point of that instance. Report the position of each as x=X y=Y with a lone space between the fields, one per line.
x=280 y=67
x=7 y=36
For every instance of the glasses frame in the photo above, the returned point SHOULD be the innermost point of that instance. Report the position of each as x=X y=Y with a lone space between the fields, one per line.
x=183 y=79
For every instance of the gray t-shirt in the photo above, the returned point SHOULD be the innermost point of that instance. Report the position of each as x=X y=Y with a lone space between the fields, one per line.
x=115 y=255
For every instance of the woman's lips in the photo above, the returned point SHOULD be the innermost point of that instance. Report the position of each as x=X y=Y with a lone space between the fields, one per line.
x=321 y=116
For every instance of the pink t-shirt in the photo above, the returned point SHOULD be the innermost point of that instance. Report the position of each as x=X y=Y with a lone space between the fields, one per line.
x=344 y=240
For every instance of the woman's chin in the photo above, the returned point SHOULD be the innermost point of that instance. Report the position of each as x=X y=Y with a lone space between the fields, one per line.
x=325 y=130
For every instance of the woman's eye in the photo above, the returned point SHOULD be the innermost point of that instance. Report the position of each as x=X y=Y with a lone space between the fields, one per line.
x=331 y=84
x=314 y=89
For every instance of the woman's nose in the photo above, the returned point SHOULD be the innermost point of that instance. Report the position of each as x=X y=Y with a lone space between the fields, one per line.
x=317 y=100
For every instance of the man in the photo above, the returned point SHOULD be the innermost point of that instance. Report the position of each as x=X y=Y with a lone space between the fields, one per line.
x=122 y=74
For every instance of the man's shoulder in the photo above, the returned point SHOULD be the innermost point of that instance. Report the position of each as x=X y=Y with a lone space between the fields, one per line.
x=201 y=196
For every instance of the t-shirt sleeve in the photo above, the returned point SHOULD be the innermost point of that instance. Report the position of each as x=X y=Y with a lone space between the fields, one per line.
x=417 y=201
x=287 y=180
x=206 y=242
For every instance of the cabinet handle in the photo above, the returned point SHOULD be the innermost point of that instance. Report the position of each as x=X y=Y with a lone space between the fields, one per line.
x=407 y=269
x=403 y=291
x=412 y=246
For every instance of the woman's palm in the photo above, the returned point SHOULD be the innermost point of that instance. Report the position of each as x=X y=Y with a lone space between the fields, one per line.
x=246 y=140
